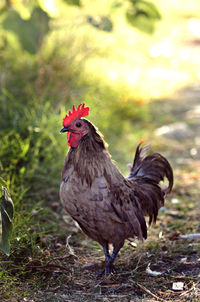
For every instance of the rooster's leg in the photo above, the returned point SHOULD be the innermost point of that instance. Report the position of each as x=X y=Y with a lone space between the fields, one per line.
x=109 y=265
x=109 y=260
x=106 y=252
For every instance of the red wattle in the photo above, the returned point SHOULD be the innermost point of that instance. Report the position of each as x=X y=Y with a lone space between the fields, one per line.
x=68 y=138
x=73 y=139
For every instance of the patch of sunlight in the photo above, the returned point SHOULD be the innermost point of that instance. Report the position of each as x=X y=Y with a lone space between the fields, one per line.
x=51 y=7
x=185 y=54
x=182 y=6
x=100 y=7
x=160 y=82
x=161 y=49
x=125 y=73
x=147 y=67
x=133 y=76
x=167 y=74
x=113 y=75
x=141 y=81
x=21 y=8
x=194 y=27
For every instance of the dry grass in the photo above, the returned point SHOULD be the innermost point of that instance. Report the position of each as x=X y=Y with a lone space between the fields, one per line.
x=57 y=274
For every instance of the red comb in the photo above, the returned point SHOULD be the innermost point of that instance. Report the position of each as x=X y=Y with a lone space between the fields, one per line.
x=75 y=114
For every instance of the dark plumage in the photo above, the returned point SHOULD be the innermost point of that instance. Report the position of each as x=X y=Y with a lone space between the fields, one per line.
x=108 y=207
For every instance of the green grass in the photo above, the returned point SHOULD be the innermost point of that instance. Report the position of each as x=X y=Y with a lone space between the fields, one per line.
x=40 y=265
x=31 y=159
x=35 y=94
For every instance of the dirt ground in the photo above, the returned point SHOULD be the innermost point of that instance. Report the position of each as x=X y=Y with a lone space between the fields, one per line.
x=166 y=267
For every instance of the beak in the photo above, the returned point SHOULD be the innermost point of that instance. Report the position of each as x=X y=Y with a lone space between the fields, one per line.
x=65 y=129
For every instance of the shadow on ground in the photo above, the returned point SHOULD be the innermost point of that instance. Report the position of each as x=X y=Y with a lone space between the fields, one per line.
x=165 y=267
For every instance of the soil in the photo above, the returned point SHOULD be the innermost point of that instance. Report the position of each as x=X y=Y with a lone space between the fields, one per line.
x=165 y=267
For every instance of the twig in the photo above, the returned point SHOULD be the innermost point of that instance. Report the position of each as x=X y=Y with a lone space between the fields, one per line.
x=185 y=277
x=135 y=269
x=189 y=290
x=90 y=266
x=62 y=257
x=49 y=266
x=190 y=236
x=149 y=292
x=71 y=251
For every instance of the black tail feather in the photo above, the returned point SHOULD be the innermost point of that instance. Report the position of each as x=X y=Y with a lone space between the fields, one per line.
x=154 y=167
x=146 y=174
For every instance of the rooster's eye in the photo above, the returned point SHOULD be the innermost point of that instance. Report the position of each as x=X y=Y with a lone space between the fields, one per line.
x=78 y=125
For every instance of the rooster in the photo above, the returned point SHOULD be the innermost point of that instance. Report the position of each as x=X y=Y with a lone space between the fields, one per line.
x=108 y=207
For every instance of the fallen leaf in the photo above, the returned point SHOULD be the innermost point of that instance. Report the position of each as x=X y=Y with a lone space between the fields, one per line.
x=152 y=273
x=174 y=236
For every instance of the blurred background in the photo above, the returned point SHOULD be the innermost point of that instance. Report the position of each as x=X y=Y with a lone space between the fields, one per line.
x=122 y=58
x=130 y=61
x=116 y=56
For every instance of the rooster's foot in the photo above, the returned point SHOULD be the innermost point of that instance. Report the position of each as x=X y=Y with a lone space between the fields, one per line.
x=109 y=268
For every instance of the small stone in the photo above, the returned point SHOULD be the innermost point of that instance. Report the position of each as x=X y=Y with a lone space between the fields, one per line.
x=175 y=201
x=177 y=285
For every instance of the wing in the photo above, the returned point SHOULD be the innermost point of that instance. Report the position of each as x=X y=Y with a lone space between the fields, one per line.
x=106 y=210
x=126 y=207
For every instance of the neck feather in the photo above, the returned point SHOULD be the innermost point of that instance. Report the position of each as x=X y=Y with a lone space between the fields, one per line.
x=90 y=159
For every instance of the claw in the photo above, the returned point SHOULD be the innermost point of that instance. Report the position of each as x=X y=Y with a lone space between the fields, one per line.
x=109 y=268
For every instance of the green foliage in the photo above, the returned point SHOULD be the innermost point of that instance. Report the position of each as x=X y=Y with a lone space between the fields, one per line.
x=32 y=150
x=73 y=2
x=6 y=218
x=3 y=182
x=143 y=15
x=39 y=82
x=30 y=32
x=102 y=23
